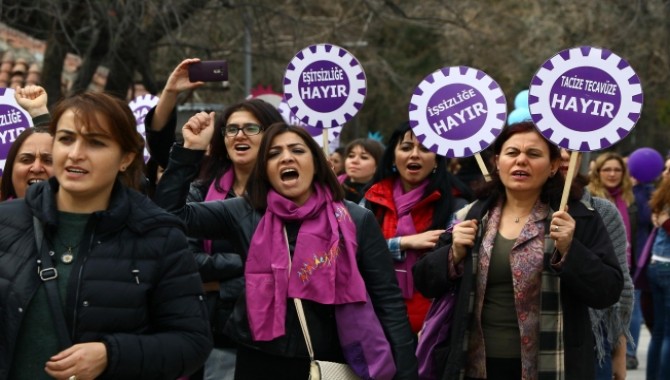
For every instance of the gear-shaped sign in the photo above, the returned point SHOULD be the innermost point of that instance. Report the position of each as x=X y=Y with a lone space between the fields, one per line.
x=316 y=133
x=585 y=99
x=457 y=111
x=324 y=86
x=140 y=107
x=13 y=121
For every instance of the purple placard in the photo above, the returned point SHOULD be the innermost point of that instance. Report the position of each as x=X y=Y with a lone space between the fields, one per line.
x=140 y=107
x=585 y=99
x=316 y=133
x=457 y=111
x=13 y=121
x=324 y=86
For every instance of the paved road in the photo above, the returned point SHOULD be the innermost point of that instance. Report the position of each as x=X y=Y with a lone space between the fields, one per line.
x=639 y=373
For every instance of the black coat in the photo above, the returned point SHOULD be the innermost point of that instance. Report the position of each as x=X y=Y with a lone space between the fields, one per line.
x=223 y=265
x=590 y=277
x=157 y=329
x=235 y=220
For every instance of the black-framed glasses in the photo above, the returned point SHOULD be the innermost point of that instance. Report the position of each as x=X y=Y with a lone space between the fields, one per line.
x=249 y=129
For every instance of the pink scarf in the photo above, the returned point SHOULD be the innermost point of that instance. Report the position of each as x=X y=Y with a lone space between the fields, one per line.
x=404 y=202
x=623 y=210
x=323 y=269
x=226 y=183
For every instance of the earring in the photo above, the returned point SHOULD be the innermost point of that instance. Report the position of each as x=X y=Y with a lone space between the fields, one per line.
x=434 y=169
x=123 y=168
x=394 y=169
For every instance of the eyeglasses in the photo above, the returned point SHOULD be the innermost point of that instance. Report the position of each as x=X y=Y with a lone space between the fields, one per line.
x=249 y=129
x=612 y=170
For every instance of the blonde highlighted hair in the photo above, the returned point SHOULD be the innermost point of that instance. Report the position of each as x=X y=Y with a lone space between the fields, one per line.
x=598 y=189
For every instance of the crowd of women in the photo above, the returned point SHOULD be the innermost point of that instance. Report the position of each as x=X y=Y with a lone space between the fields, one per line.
x=254 y=254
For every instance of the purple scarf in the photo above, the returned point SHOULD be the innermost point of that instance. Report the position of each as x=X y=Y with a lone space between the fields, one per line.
x=226 y=183
x=623 y=210
x=323 y=269
x=404 y=202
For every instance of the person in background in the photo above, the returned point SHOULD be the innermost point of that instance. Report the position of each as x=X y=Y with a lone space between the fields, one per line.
x=337 y=160
x=609 y=179
x=360 y=163
x=666 y=169
x=508 y=252
x=29 y=158
x=116 y=266
x=223 y=173
x=658 y=274
x=610 y=325
x=325 y=250
x=413 y=198
x=642 y=192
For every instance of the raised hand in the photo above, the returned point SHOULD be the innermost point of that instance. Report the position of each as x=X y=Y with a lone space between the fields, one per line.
x=33 y=99
x=178 y=80
x=198 y=131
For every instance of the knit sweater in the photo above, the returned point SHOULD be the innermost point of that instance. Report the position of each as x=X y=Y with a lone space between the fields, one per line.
x=613 y=321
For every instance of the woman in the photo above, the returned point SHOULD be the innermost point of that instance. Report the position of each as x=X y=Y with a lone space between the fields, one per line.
x=337 y=160
x=361 y=159
x=412 y=199
x=295 y=200
x=609 y=179
x=507 y=249
x=132 y=302
x=610 y=325
x=29 y=157
x=658 y=274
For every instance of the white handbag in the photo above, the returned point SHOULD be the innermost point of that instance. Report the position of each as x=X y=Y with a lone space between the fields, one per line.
x=319 y=369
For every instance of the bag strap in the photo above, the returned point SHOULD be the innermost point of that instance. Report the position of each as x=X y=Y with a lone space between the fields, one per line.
x=48 y=274
x=303 y=327
x=299 y=309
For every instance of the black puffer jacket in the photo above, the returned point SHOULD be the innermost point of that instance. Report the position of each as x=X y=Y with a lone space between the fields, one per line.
x=235 y=220
x=156 y=329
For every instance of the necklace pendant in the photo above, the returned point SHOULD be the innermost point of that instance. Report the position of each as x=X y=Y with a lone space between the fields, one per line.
x=67 y=256
x=516 y=220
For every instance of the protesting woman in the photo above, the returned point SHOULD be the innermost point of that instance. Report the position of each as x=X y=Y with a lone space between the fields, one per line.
x=300 y=240
x=523 y=271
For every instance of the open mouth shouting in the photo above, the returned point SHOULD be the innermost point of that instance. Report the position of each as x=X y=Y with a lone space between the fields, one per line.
x=289 y=175
x=414 y=167
x=242 y=147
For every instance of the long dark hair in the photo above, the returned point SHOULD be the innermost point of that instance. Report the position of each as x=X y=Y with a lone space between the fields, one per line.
x=441 y=180
x=7 y=189
x=218 y=162
x=88 y=107
x=552 y=189
x=259 y=183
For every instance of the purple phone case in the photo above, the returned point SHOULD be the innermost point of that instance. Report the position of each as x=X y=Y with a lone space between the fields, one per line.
x=208 y=71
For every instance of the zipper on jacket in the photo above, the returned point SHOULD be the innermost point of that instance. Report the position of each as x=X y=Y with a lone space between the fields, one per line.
x=79 y=275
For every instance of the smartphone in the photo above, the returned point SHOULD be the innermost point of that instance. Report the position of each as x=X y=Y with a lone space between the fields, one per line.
x=208 y=71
